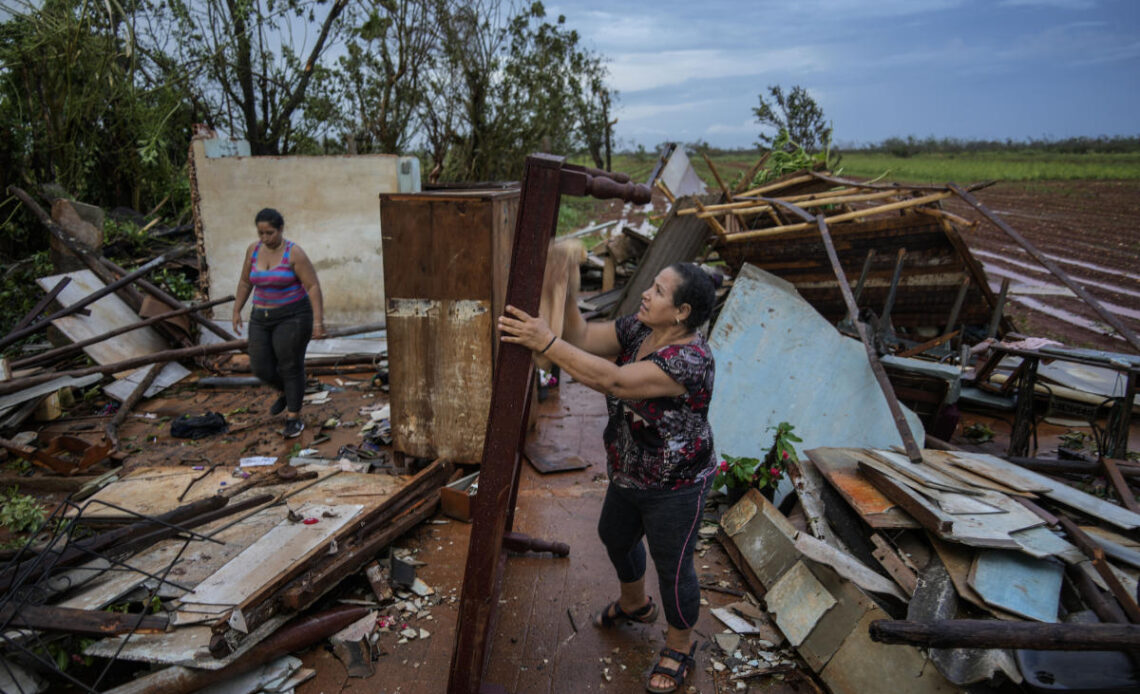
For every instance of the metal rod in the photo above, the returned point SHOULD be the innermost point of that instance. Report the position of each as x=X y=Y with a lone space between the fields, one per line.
x=862 y=279
x=1052 y=267
x=76 y=346
x=94 y=296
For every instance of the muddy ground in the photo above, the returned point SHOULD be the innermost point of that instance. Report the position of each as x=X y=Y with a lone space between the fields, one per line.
x=1089 y=228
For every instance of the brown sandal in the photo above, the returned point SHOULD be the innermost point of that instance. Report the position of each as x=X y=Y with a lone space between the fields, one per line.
x=608 y=618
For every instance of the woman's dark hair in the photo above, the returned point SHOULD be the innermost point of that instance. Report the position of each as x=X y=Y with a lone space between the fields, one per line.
x=272 y=216
x=697 y=290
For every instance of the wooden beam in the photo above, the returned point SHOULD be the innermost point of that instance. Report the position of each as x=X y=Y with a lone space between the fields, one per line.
x=51 y=354
x=716 y=174
x=988 y=633
x=1095 y=553
x=69 y=620
x=1122 y=489
x=847 y=216
x=929 y=344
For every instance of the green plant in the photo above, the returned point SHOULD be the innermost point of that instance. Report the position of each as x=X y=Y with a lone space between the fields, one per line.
x=177 y=283
x=20 y=512
x=737 y=472
x=1074 y=439
x=978 y=433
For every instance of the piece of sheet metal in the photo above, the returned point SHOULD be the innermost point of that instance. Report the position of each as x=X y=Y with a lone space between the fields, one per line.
x=1018 y=583
x=779 y=360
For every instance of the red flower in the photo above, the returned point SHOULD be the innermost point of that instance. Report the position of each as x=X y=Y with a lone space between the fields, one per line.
x=775 y=472
x=723 y=465
x=785 y=455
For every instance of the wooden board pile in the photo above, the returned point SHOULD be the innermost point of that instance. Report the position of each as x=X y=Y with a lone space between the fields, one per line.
x=216 y=565
x=995 y=568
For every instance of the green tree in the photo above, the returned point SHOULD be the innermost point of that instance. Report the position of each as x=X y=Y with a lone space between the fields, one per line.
x=522 y=82
x=379 y=80
x=81 y=106
x=797 y=113
x=250 y=63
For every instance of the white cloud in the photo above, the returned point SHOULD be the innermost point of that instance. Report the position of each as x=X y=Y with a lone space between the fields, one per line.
x=744 y=127
x=633 y=72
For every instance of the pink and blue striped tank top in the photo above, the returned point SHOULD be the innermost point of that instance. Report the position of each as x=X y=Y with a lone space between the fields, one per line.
x=276 y=286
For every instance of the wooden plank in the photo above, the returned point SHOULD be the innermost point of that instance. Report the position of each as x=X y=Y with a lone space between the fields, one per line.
x=678 y=240
x=1057 y=491
x=893 y=564
x=982 y=521
x=923 y=510
x=993 y=468
x=284 y=546
x=841 y=470
x=846 y=566
x=958 y=559
x=926 y=476
x=1122 y=490
x=107 y=313
x=941 y=461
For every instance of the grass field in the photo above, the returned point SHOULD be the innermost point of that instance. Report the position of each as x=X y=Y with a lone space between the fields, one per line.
x=1026 y=167
x=984 y=166
x=928 y=167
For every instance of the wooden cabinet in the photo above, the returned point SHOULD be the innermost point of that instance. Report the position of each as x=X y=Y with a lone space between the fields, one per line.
x=447 y=256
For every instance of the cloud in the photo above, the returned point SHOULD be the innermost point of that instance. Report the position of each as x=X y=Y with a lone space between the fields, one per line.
x=748 y=126
x=633 y=72
x=1059 y=4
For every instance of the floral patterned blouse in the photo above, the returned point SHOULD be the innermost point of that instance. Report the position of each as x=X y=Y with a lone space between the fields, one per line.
x=666 y=442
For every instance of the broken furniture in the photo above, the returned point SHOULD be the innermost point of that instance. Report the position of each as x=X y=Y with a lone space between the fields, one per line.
x=545 y=179
x=1120 y=405
x=871 y=223
x=446 y=263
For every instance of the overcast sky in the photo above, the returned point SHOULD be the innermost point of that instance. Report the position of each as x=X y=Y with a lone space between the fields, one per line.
x=973 y=69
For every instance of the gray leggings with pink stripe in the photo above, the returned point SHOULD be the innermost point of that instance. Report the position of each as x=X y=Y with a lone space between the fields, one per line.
x=668 y=519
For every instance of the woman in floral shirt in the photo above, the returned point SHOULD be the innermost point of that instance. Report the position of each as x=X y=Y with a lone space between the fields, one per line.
x=656 y=370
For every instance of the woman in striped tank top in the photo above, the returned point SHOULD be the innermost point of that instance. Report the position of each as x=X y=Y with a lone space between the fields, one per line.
x=287 y=312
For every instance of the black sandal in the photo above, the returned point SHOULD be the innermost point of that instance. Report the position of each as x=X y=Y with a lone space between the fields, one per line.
x=608 y=618
x=685 y=662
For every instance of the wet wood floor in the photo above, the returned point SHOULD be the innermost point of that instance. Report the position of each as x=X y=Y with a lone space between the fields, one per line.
x=545 y=641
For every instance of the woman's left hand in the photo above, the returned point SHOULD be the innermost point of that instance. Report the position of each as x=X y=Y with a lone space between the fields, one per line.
x=319 y=331
x=519 y=327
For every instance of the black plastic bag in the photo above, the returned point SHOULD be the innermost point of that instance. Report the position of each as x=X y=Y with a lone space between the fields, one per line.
x=187 y=427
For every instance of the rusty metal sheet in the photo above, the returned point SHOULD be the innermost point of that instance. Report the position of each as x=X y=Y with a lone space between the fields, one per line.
x=798 y=601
